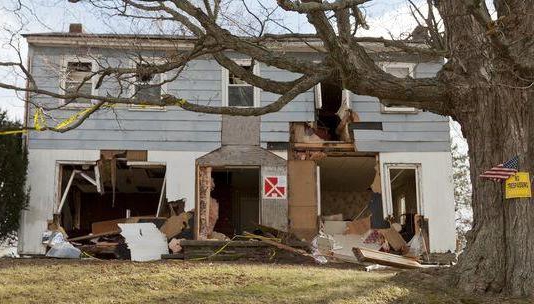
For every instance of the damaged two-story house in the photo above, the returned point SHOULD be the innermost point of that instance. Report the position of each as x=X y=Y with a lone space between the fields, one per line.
x=329 y=152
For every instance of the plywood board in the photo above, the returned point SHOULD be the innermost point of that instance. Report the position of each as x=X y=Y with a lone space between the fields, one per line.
x=302 y=183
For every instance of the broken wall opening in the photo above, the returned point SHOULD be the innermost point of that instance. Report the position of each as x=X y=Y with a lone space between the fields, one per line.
x=327 y=118
x=345 y=185
x=119 y=191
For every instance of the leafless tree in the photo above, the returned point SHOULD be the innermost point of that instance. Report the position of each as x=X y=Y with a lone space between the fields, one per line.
x=486 y=85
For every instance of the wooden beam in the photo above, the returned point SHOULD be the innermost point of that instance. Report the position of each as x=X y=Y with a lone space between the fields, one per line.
x=338 y=146
x=64 y=197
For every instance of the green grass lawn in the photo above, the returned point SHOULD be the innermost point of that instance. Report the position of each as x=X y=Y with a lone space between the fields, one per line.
x=58 y=281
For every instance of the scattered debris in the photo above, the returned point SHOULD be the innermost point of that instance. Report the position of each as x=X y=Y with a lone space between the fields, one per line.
x=64 y=250
x=359 y=227
x=174 y=245
x=174 y=225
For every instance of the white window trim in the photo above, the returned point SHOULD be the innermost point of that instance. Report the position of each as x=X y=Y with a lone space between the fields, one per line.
x=411 y=72
x=131 y=91
x=224 y=81
x=63 y=79
x=387 y=200
x=317 y=91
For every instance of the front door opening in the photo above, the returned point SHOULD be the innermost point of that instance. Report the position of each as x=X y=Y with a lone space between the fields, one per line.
x=345 y=185
x=99 y=195
x=237 y=191
x=327 y=118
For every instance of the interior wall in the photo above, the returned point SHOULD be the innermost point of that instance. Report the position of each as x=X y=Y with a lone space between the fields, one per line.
x=345 y=183
x=348 y=203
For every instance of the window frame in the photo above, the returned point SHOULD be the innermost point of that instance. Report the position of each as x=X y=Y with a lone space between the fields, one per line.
x=411 y=72
x=225 y=75
x=387 y=198
x=163 y=86
x=63 y=80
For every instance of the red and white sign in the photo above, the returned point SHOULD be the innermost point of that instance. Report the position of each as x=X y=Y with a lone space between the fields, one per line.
x=274 y=187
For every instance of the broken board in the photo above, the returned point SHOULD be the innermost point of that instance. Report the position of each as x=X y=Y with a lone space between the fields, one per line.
x=145 y=241
x=382 y=258
x=394 y=239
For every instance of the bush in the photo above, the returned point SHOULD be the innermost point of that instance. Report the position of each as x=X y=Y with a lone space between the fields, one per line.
x=13 y=165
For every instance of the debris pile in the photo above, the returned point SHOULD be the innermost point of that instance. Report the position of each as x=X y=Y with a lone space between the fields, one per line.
x=357 y=241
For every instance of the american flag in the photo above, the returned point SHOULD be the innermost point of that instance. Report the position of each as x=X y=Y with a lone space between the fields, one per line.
x=502 y=171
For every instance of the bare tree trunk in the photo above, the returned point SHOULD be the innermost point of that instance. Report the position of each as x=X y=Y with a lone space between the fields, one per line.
x=500 y=253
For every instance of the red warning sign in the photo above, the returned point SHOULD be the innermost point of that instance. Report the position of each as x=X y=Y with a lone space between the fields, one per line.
x=275 y=187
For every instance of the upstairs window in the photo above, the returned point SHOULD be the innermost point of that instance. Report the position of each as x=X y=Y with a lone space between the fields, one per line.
x=148 y=88
x=238 y=92
x=75 y=72
x=400 y=70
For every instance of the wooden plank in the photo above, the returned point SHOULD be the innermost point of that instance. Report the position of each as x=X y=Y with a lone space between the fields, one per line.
x=92 y=236
x=324 y=145
x=302 y=198
x=382 y=258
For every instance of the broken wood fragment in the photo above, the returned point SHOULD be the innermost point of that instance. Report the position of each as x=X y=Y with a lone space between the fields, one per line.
x=382 y=258
x=93 y=236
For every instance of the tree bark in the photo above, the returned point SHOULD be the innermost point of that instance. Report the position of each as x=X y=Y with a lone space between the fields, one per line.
x=500 y=253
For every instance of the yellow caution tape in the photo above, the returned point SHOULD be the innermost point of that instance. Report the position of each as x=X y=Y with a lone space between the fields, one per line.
x=69 y=121
x=13 y=132
x=181 y=102
x=39 y=121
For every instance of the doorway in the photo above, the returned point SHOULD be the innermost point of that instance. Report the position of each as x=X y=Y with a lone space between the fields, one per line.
x=237 y=191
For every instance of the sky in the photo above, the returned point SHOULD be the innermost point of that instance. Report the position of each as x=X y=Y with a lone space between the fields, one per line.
x=385 y=18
